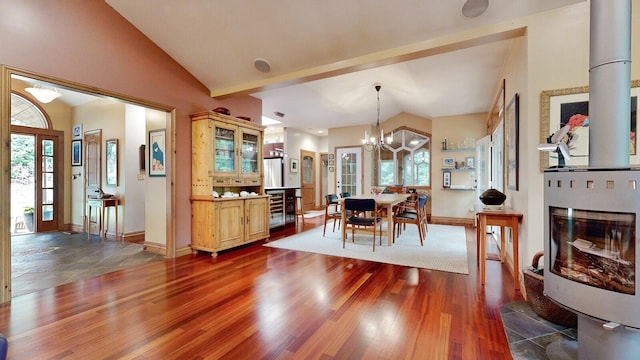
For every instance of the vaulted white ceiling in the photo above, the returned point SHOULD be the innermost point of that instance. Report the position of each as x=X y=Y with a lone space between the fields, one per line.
x=325 y=56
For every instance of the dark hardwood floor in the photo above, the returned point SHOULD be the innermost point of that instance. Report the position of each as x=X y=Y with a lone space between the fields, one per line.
x=258 y=302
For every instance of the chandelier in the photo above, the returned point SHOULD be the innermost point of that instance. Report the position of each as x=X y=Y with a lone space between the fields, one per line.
x=374 y=142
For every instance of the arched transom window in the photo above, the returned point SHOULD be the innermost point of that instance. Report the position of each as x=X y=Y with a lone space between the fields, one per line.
x=25 y=113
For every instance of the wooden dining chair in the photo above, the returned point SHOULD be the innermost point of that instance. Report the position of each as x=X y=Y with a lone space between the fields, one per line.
x=364 y=217
x=411 y=212
x=332 y=212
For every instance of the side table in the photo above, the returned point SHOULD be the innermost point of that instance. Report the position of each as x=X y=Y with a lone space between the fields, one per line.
x=503 y=217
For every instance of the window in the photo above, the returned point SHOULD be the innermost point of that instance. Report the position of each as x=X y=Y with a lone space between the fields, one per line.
x=25 y=113
x=407 y=160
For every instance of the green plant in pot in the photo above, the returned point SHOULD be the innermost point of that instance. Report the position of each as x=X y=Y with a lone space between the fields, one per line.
x=28 y=217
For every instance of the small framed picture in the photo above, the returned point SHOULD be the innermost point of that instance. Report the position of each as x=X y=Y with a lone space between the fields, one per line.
x=331 y=162
x=330 y=168
x=330 y=156
x=157 y=153
x=77 y=131
x=293 y=165
x=446 y=179
x=470 y=162
x=76 y=152
x=448 y=161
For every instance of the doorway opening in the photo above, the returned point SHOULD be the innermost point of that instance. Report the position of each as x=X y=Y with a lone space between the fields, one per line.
x=47 y=175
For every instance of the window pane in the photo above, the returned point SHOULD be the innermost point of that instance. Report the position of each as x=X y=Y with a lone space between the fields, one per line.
x=47 y=196
x=47 y=212
x=386 y=172
x=47 y=180
x=47 y=164
x=47 y=147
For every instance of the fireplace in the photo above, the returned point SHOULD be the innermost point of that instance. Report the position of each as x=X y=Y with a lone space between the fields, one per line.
x=590 y=231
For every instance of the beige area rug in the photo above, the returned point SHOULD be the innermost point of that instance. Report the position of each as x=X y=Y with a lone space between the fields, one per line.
x=313 y=213
x=445 y=247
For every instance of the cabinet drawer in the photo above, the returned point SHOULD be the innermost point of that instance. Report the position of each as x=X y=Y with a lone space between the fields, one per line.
x=252 y=182
x=220 y=181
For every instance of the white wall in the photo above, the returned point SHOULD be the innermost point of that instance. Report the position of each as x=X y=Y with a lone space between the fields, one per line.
x=133 y=180
x=296 y=140
x=155 y=204
x=107 y=116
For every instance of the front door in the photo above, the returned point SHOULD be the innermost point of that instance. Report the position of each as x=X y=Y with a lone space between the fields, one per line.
x=36 y=176
x=48 y=192
x=308 y=180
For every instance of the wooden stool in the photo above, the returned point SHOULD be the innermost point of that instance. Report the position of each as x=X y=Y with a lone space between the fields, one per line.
x=299 y=209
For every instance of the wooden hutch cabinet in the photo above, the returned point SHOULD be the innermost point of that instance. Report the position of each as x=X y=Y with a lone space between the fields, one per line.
x=226 y=158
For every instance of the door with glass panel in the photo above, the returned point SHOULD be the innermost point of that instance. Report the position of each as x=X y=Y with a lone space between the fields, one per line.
x=37 y=170
x=349 y=170
x=47 y=189
x=308 y=179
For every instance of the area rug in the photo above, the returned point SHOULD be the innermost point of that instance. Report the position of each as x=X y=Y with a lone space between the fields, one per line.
x=445 y=247
x=313 y=213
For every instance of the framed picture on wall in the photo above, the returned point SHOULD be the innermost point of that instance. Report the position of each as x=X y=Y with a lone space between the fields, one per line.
x=511 y=142
x=77 y=131
x=470 y=162
x=446 y=179
x=76 y=152
x=157 y=152
x=293 y=165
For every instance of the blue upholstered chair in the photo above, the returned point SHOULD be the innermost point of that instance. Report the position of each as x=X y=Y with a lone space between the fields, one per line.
x=364 y=217
x=4 y=347
x=332 y=212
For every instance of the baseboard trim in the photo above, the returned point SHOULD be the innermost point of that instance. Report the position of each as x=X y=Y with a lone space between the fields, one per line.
x=155 y=248
x=186 y=250
x=137 y=237
x=451 y=221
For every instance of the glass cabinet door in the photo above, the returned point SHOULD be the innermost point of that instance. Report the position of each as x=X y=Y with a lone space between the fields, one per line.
x=250 y=149
x=224 y=151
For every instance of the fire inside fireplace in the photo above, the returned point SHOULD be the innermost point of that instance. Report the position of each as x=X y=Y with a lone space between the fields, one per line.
x=596 y=248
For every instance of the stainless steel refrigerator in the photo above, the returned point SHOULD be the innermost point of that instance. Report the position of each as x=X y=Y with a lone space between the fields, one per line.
x=273 y=172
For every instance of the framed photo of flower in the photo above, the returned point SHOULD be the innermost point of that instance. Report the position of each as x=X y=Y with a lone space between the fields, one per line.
x=570 y=106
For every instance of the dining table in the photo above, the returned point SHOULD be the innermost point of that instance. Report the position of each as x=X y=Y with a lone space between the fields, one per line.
x=383 y=201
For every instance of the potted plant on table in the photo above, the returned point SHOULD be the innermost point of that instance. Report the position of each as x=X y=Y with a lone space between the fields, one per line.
x=28 y=217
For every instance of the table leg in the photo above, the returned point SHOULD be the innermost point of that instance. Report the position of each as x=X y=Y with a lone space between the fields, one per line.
x=483 y=247
x=87 y=224
x=503 y=250
x=116 y=230
x=516 y=265
x=344 y=225
x=102 y=225
x=477 y=239
x=390 y=225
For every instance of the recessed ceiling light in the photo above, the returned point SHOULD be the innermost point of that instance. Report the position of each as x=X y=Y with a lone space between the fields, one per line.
x=262 y=65
x=473 y=8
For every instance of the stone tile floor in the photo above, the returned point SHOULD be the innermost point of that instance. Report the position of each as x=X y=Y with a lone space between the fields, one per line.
x=529 y=334
x=45 y=260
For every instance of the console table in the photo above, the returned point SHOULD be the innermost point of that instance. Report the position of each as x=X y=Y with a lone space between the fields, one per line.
x=102 y=204
x=502 y=218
